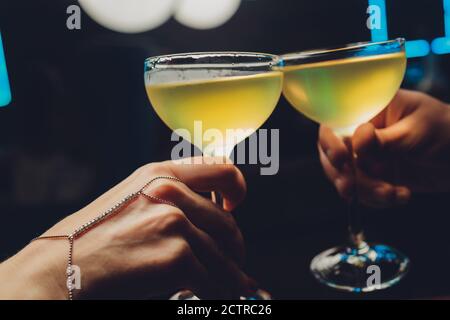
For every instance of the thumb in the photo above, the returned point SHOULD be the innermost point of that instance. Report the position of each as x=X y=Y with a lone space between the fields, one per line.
x=395 y=139
x=365 y=141
x=372 y=142
x=374 y=147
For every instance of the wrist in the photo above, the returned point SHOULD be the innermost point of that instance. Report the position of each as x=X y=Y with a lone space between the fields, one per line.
x=37 y=272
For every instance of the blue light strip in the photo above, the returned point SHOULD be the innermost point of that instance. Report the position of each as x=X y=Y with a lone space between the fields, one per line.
x=442 y=45
x=417 y=48
x=447 y=17
x=381 y=34
x=5 y=91
x=414 y=48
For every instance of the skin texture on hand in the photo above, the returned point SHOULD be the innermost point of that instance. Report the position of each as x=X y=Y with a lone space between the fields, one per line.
x=148 y=249
x=404 y=150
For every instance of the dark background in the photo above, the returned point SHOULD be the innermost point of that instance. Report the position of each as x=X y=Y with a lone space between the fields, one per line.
x=80 y=122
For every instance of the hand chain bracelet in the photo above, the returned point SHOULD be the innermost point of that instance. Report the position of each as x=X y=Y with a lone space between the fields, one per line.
x=89 y=225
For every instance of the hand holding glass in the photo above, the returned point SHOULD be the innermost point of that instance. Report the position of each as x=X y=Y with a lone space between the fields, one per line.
x=343 y=88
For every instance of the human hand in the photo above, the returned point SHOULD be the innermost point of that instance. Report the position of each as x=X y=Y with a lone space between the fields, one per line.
x=403 y=150
x=147 y=249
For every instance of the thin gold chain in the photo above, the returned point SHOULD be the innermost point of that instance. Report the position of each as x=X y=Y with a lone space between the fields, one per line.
x=92 y=223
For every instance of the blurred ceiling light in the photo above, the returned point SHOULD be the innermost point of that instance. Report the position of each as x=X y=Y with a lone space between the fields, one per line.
x=130 y=16
x=205 y=14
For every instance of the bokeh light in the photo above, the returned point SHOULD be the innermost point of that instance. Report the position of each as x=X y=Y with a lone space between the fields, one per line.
x=129 y=16
x=205 y=14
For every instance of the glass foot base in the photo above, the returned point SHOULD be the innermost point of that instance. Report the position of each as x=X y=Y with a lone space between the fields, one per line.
x=259 y=294
x=363 y=269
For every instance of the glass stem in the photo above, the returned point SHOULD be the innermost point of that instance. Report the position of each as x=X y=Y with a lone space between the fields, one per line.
x=224 y=152
x=217 y=198
x=355 y=223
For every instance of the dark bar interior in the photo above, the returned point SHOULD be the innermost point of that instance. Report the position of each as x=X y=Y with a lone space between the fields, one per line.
x=80 y=122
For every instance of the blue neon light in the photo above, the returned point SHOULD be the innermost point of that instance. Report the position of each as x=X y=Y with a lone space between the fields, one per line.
x=447 y=17
x=414 y=48
x=381 y=34
x=442 y=45
x=5 y=91
x=417 y=48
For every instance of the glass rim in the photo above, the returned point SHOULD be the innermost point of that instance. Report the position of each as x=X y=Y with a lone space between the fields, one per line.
x=159 y=62
x=348 y=48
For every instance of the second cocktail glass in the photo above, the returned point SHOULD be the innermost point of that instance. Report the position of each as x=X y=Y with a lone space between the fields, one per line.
x=343 y=88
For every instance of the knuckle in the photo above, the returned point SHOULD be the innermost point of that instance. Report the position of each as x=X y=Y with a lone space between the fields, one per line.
x=181 y=253
x=174 y=222
x=146 y=169
x=167 y=190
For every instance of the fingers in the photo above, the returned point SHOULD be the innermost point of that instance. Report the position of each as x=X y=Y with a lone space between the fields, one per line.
x=380 y=194
x=370 y=191
x=400 y=122
x=224 y=279
x=224 y=273
x=378 y=150
x=403 y=104
x=191 y=273
x=341 y=179
x=211 y=232
x=373 y=157
x=200 y=175
x=212 y=175
x=367 y=147
x=334 y=148
x=397 y=138
x=216 y=174
x=204 y=214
